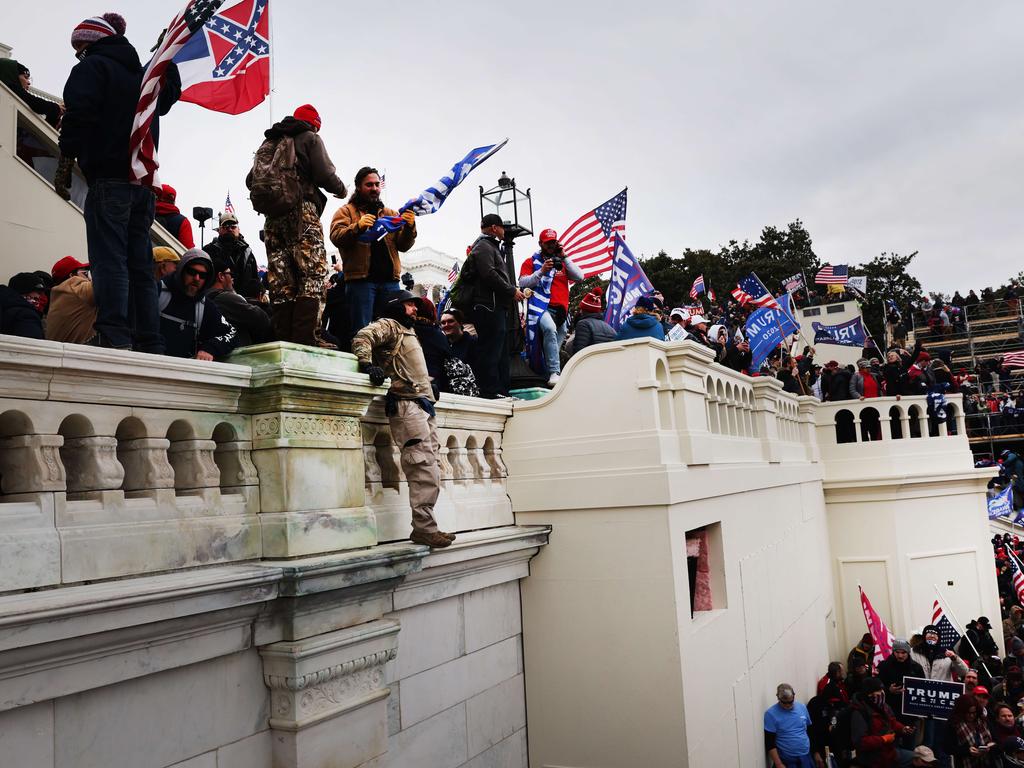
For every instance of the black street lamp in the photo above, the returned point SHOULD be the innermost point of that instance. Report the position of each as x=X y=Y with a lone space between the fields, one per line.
x=515 y=207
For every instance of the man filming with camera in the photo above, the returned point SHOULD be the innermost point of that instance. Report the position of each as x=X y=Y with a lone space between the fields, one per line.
x=547 y=273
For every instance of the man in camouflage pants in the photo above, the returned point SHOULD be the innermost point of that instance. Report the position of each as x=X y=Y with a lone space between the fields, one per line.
x=389 y=347
x=296 y=258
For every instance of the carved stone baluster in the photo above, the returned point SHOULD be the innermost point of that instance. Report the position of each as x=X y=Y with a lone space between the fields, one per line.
x=91 y=464
x=194 y=465
x=234 y=461
x=145 y=463
x=31 y=464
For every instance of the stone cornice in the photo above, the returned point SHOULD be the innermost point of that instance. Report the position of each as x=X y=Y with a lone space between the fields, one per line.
x=321 y=676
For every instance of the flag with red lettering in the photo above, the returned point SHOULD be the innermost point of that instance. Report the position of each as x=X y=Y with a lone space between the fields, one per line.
x=879 y=632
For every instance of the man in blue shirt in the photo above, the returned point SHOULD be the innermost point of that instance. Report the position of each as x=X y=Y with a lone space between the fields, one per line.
x=785 y=732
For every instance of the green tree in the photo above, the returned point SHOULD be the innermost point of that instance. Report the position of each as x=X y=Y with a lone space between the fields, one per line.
x=888 y=278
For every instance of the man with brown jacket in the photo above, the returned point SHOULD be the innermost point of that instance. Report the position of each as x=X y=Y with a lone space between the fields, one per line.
x=389 y=348
x=371 y=269
x=72 y=311
x=296 y=258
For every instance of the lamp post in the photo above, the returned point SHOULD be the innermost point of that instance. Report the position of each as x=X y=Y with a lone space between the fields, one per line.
x=515 y=207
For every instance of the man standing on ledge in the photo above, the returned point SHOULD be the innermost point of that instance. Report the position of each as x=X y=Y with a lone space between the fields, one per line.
x=389 y=348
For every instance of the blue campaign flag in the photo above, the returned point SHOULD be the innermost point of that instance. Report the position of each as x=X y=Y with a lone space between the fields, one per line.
x=848 y=334
x=628 y=283
x=432 y=198
x=1001 y=505
x=784 y=304
x=766 y=329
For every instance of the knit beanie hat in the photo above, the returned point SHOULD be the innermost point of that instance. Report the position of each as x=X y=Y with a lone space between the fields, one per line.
x=98 y=27
x=901 y=645
x=592 y=301
x=308 y=113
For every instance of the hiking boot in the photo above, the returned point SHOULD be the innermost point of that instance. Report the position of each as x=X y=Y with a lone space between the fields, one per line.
x=449 y=536
x=435 y=540
x=306 y=323
x=281 y=320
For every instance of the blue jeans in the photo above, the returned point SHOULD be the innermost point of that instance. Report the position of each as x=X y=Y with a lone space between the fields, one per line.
x=361 y=296
x=118 y=216
x=552 y=338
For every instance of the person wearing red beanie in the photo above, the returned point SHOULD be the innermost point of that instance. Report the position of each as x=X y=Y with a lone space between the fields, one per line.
x=296 y=258
x=590 y=325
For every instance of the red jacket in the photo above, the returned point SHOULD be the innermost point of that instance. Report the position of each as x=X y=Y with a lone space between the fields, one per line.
x=175 y=223
x=874 y=735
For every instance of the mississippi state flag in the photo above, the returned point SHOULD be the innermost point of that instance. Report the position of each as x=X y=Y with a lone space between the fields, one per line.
x=225 y=66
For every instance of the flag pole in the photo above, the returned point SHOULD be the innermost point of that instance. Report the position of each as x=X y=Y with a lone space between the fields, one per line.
x=958 y=626
x=273 y=56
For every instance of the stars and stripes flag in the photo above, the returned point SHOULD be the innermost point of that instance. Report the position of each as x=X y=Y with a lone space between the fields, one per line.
x=948 y=633
x=226 y=67
x=141 y=147
x=432 y=198
x=793 y=282
x=453 y=273
x=1013 y=360
x=750 y=290
x=1017 y=577
x=697 y=288
x=837 y=275
x=588 y=241
x=228 y=207
x=879 y=632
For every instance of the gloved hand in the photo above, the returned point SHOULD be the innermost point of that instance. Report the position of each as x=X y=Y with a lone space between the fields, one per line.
x=375 y=372
x=62 y=178
x=409 y=218
x=366 y=220
x=889 y=738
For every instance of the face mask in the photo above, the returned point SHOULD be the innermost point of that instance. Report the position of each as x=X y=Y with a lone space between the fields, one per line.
x=932 y=642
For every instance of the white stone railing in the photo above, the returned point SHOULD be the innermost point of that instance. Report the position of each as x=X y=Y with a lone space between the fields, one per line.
x=472 y=471
x=115 y=463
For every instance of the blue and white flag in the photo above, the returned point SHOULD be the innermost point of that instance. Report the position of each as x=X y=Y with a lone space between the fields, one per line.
x=628 y=283
x=1001 y=505
x=848 y=334
x=432 y=198
x=533 y=351
x=784 y=303
x=766 y=329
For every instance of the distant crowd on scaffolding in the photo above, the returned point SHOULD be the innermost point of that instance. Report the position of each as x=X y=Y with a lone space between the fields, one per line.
x=856 y=715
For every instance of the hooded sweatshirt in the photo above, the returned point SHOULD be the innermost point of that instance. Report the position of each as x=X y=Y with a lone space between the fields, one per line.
x=190 y=324
x=9 y=71
x=100 y=99
x=639 y=327
x=171 y=218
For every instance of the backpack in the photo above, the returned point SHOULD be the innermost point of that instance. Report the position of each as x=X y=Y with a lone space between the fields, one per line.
x=460 y=295
x=274 y=185
x=461 y=380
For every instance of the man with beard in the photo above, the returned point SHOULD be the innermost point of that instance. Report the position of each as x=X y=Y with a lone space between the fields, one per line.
x=874 y=729
x=371 y=269
x=192 y=326
x=389 y=348
x=229 y=247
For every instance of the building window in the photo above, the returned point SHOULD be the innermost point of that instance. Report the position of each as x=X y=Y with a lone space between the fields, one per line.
x=812 y=312
x=705 y=568
x=835 y=309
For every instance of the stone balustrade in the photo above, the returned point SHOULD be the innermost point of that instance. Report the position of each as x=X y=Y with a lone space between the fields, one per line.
x=115 y=464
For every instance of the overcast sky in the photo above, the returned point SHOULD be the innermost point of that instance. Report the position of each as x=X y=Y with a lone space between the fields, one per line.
x=883 y=126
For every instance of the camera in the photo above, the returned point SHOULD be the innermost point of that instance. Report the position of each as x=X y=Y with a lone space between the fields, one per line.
x=557 y=263
x=408 y=281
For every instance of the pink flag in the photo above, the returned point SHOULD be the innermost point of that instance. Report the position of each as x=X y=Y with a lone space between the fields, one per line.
x=879 y=632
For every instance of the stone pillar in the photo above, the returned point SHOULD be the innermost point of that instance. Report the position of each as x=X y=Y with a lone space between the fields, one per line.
x=688 y=364
x=308 y=449
x=328 y=696
x=766 y=412
x=145 y=463
x=91 y=464
x=31 y=464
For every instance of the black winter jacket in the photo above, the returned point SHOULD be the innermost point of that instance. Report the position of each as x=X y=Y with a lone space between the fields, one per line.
x=178 y=319
x=100 y=99
x=591 y=329
x=490 y=276
x=244 y=269
x=17 y=316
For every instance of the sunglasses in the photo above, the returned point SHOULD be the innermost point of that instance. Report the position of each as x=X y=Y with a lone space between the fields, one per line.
x=193 y=272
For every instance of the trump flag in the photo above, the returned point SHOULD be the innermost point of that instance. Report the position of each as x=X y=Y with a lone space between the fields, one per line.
x=628 y=283
x=225 y=66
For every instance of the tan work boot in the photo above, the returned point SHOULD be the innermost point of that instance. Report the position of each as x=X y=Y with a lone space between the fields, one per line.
x=449 y=536
x=435 y=540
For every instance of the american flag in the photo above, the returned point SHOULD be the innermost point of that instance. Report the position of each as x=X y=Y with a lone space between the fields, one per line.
x=830 y=275
x=228 y=207
x=948 y=634
x=142 y=149
x=879 y=632
x=453 y=273
x=750 y=290
x=1018 y=577
x=1013 y=360
x=697 y=288
x=588 y=240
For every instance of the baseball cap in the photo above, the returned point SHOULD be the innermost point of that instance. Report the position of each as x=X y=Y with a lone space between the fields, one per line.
x=491 y=220
x=162 y=253
x=697 y=319
x=679 y=312
x=548 y=235
x=63 y=268
x=924 y=754
x=228 y=218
